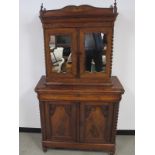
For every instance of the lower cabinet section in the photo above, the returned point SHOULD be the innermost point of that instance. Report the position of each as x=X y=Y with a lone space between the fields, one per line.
x=79 y=117
x=78 y=125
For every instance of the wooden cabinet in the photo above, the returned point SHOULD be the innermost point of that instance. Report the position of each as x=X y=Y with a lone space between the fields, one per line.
x=79 y=117
x=78 y=97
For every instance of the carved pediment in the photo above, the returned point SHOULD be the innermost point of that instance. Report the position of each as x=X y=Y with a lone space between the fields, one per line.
x=78 y=11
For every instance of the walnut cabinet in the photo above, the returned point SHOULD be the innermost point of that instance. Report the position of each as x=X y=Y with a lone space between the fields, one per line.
x=78 y=97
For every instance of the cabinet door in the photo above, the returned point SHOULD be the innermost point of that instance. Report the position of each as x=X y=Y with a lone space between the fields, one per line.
x=95 y=122
x=95 y=54
x=61 y=121
x=60 y=54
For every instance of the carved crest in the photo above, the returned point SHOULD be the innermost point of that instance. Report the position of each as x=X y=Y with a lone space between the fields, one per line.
x=80 y=8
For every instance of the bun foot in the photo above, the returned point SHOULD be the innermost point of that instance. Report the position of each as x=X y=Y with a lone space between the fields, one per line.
x=45 y=149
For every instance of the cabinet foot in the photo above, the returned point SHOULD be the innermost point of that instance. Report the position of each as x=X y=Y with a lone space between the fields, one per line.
x=111 y=153
x=45 y=149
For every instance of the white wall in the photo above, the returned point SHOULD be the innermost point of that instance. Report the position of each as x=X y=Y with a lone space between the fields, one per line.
x=31 y=53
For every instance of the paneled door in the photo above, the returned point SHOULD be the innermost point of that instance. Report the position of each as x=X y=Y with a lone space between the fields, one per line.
x=61 y=121
x=95 y=122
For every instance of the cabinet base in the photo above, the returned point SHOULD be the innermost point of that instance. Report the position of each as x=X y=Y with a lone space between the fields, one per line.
x=81 y=146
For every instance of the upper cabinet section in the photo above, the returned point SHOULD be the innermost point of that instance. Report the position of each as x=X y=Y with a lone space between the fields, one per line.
x=78 y=44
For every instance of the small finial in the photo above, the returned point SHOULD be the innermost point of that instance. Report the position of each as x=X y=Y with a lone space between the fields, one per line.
x=115 y=7
x=41 y=7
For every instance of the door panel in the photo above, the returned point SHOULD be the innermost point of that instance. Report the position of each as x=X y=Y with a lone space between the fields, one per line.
x=95 y=122
x=61 y=54
x=95 y=53
x=61 y=121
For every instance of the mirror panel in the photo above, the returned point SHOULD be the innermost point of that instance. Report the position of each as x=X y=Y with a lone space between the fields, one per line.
x=60 y=52
x=95 y=46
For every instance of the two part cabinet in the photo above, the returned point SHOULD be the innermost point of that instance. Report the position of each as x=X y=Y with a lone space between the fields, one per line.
x=78 y=97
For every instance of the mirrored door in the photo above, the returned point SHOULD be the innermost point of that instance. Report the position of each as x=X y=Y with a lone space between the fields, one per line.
x=95 y=49
x=60 y=54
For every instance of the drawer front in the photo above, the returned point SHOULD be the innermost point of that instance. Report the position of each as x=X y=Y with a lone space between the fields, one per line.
x=60 y=121
x=95 y=122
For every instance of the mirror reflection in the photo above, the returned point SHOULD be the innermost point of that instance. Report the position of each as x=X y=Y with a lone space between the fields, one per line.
x=60 y=51
x=95 y=44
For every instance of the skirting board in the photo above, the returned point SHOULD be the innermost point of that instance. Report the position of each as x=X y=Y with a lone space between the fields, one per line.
x=38 y=130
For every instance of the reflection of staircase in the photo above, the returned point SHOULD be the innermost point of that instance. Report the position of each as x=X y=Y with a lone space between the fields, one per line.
x=57 y=66
x=57 y=59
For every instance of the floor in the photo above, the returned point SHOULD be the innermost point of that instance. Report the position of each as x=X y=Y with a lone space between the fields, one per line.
x=30 y=144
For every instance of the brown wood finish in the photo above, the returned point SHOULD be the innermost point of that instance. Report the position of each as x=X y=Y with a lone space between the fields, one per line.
x=79 y=110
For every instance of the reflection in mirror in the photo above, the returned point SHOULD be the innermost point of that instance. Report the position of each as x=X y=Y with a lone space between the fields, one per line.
x=60 y=51
x=95 y=51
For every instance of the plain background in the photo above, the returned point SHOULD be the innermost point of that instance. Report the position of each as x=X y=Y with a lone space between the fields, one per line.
x=31 y=56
